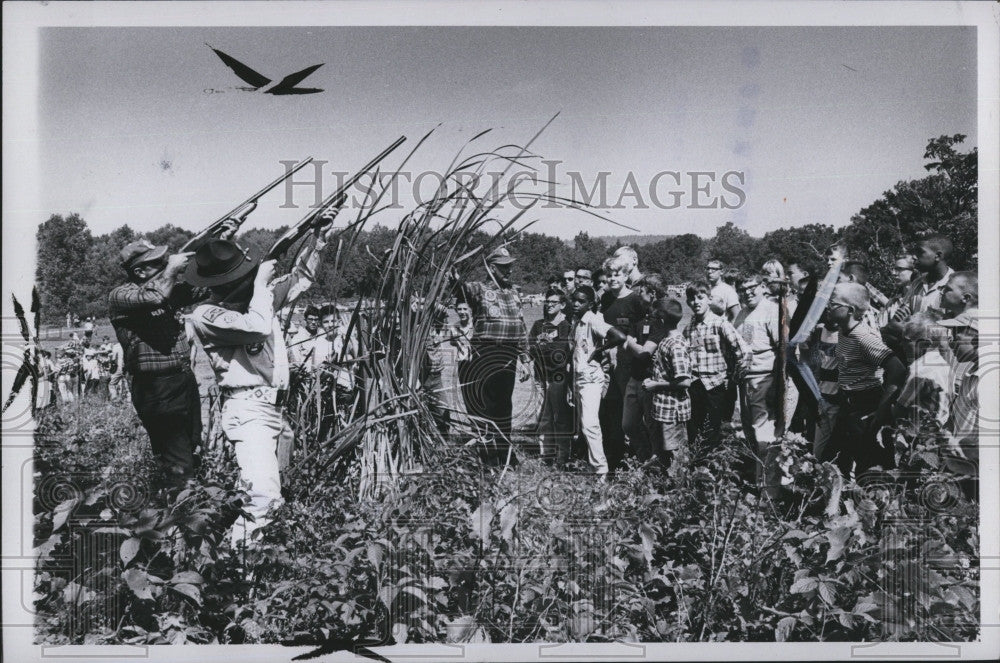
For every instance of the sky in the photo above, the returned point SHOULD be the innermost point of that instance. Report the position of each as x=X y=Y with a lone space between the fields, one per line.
x=144 y=126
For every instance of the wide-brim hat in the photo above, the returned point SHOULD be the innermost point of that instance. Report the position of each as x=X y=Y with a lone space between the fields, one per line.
x=218 y=262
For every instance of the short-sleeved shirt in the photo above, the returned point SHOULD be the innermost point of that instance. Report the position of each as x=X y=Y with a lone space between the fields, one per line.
x=496 y=312
x=550 y=347
x=649 y=329
x=924 y=295
x=671 y=362
x=623 y=313
x=709 y=340
x=724 y=297
x=860 y=353
x=758 y=327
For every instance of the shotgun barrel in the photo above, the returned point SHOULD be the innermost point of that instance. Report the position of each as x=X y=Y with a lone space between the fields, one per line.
x=300 y=229
x=214 y=227
x=336 y=198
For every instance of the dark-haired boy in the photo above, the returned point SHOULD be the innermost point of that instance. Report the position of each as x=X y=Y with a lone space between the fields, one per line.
x=710 y=339
x=548 y=343
x=671 y=378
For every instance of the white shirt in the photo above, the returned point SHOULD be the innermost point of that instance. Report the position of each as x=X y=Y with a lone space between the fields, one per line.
x=928 y=385
x=724 y=297
x=248 y=349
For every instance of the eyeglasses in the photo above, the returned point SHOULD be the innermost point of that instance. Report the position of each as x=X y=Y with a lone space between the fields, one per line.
x=569 y=278
x=713 y=269
x=750 y=288
x=551 y=302
x=837 y=305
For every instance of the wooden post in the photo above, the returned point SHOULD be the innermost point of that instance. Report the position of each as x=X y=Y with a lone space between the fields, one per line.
x=781 y=420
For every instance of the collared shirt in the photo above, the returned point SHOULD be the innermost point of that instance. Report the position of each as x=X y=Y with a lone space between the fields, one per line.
x=671 y=362
x=708 y=340
x=302 y=348
x=147 y=322
x=860 y=353
x=758 y=327
x=964 y=407
x=585 y=339
x=924 y=295
x=497 y=313
x=248 y=349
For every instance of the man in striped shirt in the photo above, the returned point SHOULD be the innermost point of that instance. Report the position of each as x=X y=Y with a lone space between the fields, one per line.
x=865 y=402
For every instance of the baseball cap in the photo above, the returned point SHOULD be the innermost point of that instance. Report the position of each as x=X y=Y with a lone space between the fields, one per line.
x=500 y=256
x=140 y=252
x=967 y=318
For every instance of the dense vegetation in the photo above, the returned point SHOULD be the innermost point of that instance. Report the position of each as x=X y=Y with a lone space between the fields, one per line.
x=530 y=554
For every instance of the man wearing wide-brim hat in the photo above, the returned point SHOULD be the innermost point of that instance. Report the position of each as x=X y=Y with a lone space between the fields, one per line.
x=499 y=340
x=145 y=313
x=239 y=329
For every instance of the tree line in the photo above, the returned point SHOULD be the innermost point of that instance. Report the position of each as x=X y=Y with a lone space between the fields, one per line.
x=76 y=269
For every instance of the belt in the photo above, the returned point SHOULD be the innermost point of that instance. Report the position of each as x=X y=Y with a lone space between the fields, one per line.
x=269 y=395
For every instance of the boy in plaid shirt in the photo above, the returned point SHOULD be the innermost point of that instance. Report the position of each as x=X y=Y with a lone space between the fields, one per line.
x=669 y=385
x=710 y=339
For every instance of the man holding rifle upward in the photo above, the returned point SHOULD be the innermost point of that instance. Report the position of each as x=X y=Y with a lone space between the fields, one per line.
x=145 y=313
x=241 y=333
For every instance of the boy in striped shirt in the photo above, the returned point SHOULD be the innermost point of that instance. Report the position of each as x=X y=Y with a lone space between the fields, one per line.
x=865 y=400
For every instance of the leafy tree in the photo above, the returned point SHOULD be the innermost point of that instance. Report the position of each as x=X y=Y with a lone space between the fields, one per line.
x=169 y=235
x=588 y=252
x=944 y=202
x=676 y=259
x=734 y=247
x=63 y=247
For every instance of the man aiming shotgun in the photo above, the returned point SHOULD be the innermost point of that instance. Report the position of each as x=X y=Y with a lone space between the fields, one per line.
x=145 y=314
x=241 y=332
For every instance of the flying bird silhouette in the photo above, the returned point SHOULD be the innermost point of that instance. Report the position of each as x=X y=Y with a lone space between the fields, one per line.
x=258 y=81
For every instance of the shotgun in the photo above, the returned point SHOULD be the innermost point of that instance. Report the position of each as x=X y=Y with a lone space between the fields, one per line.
x=216 y=225
x=309 y=221
x=335 y=199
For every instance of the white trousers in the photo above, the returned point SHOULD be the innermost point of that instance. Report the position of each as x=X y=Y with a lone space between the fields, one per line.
x=254 y=429
x=588 y=403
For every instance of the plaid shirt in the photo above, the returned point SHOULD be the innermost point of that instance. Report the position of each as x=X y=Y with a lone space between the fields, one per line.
x=146 y=320
x=671 y=361
x=497 y=314
x=707 y=341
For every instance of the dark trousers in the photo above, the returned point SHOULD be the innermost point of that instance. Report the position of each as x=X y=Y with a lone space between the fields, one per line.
x=708 y=406
x=612 y=433
x=853 y=443
x=492 y=372
x=169 y=408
